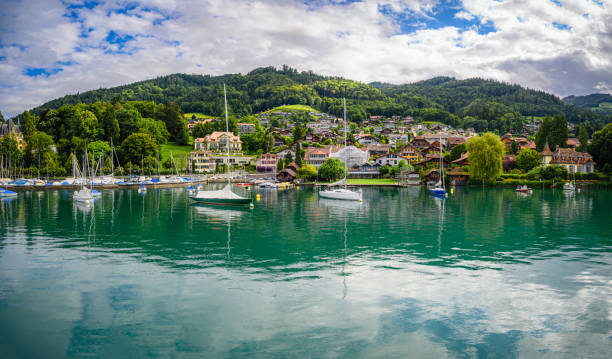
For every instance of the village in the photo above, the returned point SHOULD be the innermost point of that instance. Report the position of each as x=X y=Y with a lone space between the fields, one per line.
x=380 y=147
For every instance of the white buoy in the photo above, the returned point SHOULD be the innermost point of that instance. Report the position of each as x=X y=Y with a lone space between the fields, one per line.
x=251 y=206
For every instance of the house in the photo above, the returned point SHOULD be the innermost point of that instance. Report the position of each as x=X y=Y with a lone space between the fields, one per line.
x=433 y=158
x=391 y=159
x=245 y=128
x=420 y=142
x=365 y=139
x=394 y=138
x=432 y=176
x=573 y=142
x=463 y=160
x=278 y=141
x=218 y=141
x=379 y=150
x=267 y=162
x=288 y=173
x=234 y=160
x=569 y=158
x=410 y=178
x=350 y=155
x=452 y=142
x=316 y=156
x=458 y=177
x=285 y=152
x=11 y=129
x=201 y=161
x=411 y=153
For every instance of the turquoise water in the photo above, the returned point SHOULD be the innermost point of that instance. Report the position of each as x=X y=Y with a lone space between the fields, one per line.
x=485 y=273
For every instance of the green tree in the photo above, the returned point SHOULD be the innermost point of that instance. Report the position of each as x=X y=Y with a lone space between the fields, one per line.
x=9 y=146
x=128 y=121
x=87 y=125
x=110 y=125
x=138 y=145
x=331 y=169
x=28 y=125
x=40 y=142
x=552 y=131
x=1 y=118
x=514 y=148
x=527 y=159
x=172 y=116
x=298 y=154
x=601 y=146
x=98 y=148
x=583 y=137
x=456 y=152
x=486 y=155
x=307 y=172
x=157 y=129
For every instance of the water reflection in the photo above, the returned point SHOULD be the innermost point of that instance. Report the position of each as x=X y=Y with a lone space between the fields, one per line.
x=483 y=273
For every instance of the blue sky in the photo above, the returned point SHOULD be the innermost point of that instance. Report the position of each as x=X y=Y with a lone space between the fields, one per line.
x=55 y=47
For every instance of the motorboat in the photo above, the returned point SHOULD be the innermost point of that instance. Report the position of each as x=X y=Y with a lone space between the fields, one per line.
x=523 y=189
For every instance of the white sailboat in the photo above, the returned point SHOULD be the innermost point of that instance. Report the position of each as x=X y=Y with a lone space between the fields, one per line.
x=341 y=193
x=439 y=189
x=225 y=196
x=84 y=194
x=569 y=186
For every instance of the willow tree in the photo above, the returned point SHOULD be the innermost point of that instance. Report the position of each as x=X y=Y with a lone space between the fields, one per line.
x=486 y=155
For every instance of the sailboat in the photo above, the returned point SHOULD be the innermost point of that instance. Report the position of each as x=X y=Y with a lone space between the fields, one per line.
x=84 y=194
x=225 y=196
x=341 y=193
x=569 y=186
x=439 y=190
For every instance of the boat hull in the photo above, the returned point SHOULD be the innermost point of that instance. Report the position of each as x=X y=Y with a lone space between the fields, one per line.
x=437 y=192
x=340 y=195
x=223 y=201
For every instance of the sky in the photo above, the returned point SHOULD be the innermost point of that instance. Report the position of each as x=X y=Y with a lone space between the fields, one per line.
x=51 y=48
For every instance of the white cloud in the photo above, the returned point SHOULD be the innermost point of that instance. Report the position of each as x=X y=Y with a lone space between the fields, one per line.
x=354 y=40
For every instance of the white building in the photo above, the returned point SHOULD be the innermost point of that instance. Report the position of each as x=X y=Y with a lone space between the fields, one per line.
x=352 y=156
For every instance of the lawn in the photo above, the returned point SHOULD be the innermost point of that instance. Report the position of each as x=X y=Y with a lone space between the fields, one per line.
x=197 y=115
x=289 y=108
x=177 y=151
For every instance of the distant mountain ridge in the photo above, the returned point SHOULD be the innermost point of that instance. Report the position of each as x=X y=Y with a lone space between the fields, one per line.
x=597 y=102
x=443 y=99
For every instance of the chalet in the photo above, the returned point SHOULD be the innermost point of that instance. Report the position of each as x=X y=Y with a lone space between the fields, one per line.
x=391 y=159
x=218 y=141
x=433 y=158
x=452 y=142
x=267 y=162
x=279 y=141
x=432 y=176
x=379 y=150
x=285 y=152
x=366 y=170
x=569 y=158
x=458 y=177
x=463 y=160
x=201 y=161
x=386 y=131
x=288 y=173
x=420 y=142
x=245 y=128
x=411 y=153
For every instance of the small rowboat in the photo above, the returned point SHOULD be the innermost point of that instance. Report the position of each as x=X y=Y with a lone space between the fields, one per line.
x=523 y=189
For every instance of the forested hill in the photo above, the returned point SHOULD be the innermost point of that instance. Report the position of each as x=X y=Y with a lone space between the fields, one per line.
x=597 y=102
x=483 y=104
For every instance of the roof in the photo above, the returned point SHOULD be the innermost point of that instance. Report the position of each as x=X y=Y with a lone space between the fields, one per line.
x=464 y=157
x=546 y=151
x=457 y=171
x=215 y=136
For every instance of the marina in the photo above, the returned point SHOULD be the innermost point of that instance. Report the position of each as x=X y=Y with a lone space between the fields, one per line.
x=482 y=272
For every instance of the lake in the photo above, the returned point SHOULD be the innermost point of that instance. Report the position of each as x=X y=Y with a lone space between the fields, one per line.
x=485 y=273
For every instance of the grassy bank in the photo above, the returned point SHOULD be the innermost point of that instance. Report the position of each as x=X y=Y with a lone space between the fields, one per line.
x=289 y=108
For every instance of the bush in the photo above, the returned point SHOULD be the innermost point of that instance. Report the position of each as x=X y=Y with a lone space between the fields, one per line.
x=548 y=172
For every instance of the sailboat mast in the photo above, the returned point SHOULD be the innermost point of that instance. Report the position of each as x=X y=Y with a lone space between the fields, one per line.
x=441 y=169
x=228 y=136
x=344 y=105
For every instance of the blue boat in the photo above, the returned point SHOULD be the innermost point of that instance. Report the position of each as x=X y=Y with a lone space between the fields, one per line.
x=96 y=193
x=7 y=193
